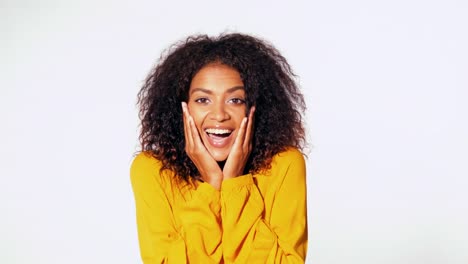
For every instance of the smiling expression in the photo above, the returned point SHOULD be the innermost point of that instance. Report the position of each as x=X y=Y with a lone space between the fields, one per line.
x=217 y=104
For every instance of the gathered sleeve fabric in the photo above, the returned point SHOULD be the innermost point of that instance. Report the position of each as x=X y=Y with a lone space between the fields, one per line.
x=265 y=217
x=172 y=228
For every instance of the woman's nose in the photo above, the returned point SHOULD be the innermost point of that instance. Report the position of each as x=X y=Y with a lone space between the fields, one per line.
x=219 y=113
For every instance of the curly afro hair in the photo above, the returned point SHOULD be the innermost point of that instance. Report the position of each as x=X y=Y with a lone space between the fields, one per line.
x=269 y=85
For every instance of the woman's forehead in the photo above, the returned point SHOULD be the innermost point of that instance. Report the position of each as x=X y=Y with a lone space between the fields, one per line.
x=215 y=77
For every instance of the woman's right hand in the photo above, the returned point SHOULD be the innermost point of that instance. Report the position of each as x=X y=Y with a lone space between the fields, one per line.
x=205 y=163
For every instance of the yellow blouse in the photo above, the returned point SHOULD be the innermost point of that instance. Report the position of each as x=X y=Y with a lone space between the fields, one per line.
x=260 y=218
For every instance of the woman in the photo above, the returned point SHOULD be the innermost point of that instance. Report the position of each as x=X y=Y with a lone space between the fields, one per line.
x=221 y=178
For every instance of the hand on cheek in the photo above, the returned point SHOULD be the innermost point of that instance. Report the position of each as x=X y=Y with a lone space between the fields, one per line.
x=205 y=163
x=241 y=148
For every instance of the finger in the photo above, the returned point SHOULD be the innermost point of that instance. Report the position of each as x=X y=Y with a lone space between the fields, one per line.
x=249 y=132
x=192 y=128
x=235 y=161
x=184 y=119
x=187 y=130
x=241 y=134
x=194 y=133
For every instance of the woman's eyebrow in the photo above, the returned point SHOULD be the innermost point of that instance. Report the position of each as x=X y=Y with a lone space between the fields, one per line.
x=201 y=90
x=230 y=90
x=235 y=88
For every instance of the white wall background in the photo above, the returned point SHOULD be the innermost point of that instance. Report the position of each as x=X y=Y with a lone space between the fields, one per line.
x=386 y=85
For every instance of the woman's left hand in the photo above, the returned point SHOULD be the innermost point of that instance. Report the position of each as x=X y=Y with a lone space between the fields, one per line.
x=241 y=148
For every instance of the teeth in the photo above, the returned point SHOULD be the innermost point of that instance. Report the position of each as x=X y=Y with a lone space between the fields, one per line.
x=217 y=131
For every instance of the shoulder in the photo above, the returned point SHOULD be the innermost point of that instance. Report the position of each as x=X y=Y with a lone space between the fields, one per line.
x=288 y=166
x=144 y=161
x=291 y=156
x=144 y=169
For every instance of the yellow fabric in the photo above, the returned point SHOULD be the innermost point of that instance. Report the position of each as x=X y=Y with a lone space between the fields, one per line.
x=259 y=218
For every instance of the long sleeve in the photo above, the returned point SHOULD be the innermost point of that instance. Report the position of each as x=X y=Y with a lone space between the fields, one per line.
x=268 y=227
x=174 y=232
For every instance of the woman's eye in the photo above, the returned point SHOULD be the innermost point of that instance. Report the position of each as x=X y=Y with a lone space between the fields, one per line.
x=202 y=100
x=237 y=101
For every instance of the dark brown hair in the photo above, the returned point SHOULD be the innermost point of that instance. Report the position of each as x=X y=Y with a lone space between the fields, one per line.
x=269 y=84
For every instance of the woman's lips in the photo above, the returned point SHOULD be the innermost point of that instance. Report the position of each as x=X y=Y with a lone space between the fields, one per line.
x=219 y=138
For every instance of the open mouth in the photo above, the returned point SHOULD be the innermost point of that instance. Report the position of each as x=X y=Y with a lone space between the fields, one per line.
x=218 y=141
x=218 y=134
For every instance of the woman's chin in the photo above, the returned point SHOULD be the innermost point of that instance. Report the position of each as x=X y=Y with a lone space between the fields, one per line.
x=219 y=155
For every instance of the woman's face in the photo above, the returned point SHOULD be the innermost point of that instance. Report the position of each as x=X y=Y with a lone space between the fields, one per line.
x=217 y=104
